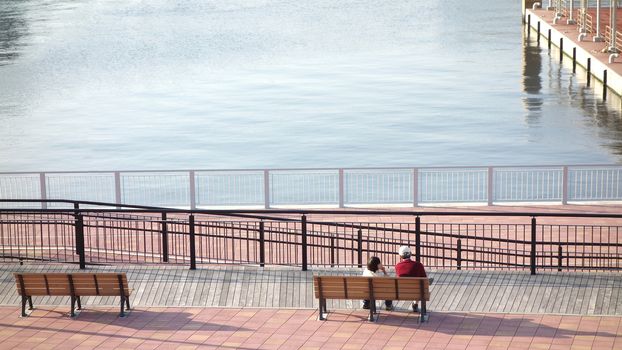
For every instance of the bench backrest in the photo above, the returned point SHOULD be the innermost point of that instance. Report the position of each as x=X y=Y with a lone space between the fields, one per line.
x=78 y=284
x=361 y=287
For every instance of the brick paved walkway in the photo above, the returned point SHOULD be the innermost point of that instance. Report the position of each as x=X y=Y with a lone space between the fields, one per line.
x=248 y=328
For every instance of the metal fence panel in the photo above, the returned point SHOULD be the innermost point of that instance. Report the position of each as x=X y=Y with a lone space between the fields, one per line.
x=156 y=189
x=528 y=184
x=595 y=183
x=453 y=185
x=382 y=186
x=229 y=188
x=20 y=186
x=304 y=187
x=95 y=187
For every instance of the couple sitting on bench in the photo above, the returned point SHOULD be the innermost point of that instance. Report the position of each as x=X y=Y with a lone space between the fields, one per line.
x=405 y=268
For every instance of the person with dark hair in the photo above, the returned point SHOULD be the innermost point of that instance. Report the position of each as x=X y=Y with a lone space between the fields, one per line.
x=409 y=268
x=375 y=269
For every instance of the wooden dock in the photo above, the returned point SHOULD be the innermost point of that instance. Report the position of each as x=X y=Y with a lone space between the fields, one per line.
x=548 y=292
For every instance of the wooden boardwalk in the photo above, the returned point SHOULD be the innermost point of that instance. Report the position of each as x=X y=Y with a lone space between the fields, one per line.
x=549 y=292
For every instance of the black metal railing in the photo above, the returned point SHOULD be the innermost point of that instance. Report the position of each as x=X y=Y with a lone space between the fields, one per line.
x=457 y=240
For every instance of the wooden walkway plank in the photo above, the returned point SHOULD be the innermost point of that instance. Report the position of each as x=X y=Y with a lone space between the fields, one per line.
x=226 y=283
x=617 y=291
x=582 y=299
x=570 y=297
x=484 y=281
x=591 y=298
x=164 y=288
x=246 y=286
x=440 y=302
x=203 y=289
x=509 y=296
x=474 y=289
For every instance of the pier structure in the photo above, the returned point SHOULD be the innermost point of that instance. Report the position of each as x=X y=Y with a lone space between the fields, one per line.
x=586 y=33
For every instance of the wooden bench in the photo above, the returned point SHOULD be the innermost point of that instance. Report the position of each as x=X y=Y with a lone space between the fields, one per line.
x=372 y=289
x=74 y=285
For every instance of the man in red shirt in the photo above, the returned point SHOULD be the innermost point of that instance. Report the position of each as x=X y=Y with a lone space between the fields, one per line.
x=409 y=268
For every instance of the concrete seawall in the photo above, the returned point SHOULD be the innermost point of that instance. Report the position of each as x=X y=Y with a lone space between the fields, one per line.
x=586 y=53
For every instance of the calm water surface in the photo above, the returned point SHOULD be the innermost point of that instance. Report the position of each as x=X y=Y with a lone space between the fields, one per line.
x=160 y=84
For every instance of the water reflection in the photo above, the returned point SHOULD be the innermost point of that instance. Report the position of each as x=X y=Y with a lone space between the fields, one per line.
x=13 y=27
x=571 y=89
x=532 y=82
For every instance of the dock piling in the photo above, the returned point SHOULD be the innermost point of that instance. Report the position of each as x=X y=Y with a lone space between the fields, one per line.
x=589 y=70
x=604 y=85
x=574 y=59
x=549 y=38
x=561 y=49
x=538 y=33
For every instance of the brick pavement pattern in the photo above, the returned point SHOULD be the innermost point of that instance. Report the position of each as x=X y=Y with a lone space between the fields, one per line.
x=248 y=328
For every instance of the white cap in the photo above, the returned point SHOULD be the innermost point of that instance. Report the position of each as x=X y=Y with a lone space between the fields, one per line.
x=404 y=250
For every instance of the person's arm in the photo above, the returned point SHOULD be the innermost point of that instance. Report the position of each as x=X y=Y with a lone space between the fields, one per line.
x=381 y=268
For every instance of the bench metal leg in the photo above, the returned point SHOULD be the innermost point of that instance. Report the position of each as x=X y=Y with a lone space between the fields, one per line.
x=73 y=306
x=122 y=313
x=372 y=310
x=24 y=306
x=30 y=303
x=79 y=303
x=322 y=309
x=424 y=311
x=127 y=303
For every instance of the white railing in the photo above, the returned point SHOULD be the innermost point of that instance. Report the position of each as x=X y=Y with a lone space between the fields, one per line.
x=322 y=187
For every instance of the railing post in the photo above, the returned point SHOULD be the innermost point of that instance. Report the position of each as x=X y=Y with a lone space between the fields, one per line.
x=303 y=222
x=418 y=239
x=117 y=189
x=43 y=189
x=193 y=190
x=360 y=248
x=559 y=258
x=76 y=212
x=80 y=240
x=597 y=37
x=341 y=189
x=415 y=187
x=262 y=245
x=164 y=238
x=565 y=185
x=332 y=251
x=491 y=195
x=532 y=260
x=459 y=255
x=266 y=188
x=193 y=253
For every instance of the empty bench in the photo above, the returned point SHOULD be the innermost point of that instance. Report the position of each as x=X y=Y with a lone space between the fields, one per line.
x=372 y=289
x=74 y=285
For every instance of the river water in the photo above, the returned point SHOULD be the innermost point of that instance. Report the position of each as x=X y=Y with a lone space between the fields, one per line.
x=160 y=84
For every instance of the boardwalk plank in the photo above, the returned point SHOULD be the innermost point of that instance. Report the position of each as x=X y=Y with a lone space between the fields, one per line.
x=514 y=290
x=226 y=286
x=474 y=288
x=570 y=296
x=245 y=286
x=449 y=286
